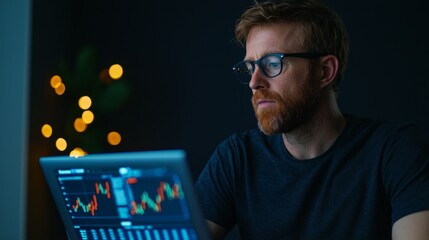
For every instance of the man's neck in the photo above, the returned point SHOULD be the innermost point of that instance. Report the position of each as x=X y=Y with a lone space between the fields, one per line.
x=317 y=135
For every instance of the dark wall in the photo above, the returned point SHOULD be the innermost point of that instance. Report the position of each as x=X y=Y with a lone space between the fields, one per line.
x=387 y=73
x=177 y=58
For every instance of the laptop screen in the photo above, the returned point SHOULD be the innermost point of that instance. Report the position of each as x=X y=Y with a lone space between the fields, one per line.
x=125 y=196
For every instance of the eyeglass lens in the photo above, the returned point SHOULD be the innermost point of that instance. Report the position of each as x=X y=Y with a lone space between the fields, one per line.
x=270 y=66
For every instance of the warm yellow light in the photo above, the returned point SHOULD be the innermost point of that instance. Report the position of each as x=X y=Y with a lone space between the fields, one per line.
x=87 y=117
x=77 y=152
x=79 y=125
x=114 y=138
x=47 y=131
x=60 y=89
x=55 y=81
x=61 y=144
x=85 y=102
x=115 y=71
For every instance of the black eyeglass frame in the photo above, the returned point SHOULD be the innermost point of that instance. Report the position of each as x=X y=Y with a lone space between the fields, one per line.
x=257 y=62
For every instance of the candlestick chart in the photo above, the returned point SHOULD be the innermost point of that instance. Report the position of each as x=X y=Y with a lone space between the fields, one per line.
x=89 y=198
x=155 y=197
x=126 y=203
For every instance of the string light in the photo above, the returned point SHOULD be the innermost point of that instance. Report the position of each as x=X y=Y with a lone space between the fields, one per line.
x=80 y=124
x=60 y=89
x=116 y=71
x=87 y=117
x=85 y=102
x=61 y=144
x=114 y=138
x=46 y=130
x=55 y=81
x=77 y=152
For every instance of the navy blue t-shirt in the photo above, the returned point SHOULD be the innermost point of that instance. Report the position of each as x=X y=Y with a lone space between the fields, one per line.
x=375 y=173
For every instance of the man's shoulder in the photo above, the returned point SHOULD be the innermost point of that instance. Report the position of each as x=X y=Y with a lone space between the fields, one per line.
x=380 y=131
x=359 y=124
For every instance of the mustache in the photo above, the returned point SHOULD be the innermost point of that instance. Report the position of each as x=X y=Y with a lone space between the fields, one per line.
x=265 y=94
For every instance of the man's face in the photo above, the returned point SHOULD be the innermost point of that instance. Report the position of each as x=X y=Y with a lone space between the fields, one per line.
x=287 y=101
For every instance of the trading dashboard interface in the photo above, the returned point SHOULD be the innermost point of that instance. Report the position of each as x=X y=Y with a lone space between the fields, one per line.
x=126 y=203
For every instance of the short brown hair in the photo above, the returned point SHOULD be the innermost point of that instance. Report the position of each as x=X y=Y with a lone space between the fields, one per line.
x=323 y=29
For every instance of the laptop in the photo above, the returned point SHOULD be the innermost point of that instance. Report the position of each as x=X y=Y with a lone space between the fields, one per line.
x=126 y=196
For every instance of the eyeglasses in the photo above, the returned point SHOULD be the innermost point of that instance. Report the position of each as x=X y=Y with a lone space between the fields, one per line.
x=271 y=65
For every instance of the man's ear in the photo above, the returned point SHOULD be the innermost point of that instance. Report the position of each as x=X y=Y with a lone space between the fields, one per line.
x=329 y=65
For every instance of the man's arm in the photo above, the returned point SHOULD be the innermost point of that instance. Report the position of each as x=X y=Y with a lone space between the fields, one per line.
x=412 y=227
x=216 y=231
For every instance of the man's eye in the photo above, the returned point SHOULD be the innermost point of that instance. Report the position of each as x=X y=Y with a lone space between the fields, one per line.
x=273 y=65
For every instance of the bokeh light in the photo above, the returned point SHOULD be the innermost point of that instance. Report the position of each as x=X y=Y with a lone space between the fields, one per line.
x=55 y=81
x=46 y=130
x=61 y=144
x=114 y=138
x=87 y=117
x=107 y=96
x=77 y=152
x=79 y=125
x=60 y=89
x=85 y=102
x=116 y=71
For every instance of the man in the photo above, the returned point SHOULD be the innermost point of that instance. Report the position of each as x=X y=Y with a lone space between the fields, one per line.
x=310 y=171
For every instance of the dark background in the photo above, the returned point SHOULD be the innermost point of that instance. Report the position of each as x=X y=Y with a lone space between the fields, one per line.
x=177 y=58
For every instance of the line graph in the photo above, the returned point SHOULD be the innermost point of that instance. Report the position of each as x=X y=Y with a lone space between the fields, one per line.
x=99 y=189
x=89 y=198
x=166 y=199
x=126 y=203
x=90 y=207
x=143 y=196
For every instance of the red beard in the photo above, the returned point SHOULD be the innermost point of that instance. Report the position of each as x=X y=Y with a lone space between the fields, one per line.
x=288 y=113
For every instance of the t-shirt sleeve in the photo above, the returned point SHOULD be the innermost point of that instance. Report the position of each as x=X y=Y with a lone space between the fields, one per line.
x=406 y=171
x=216 y=186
